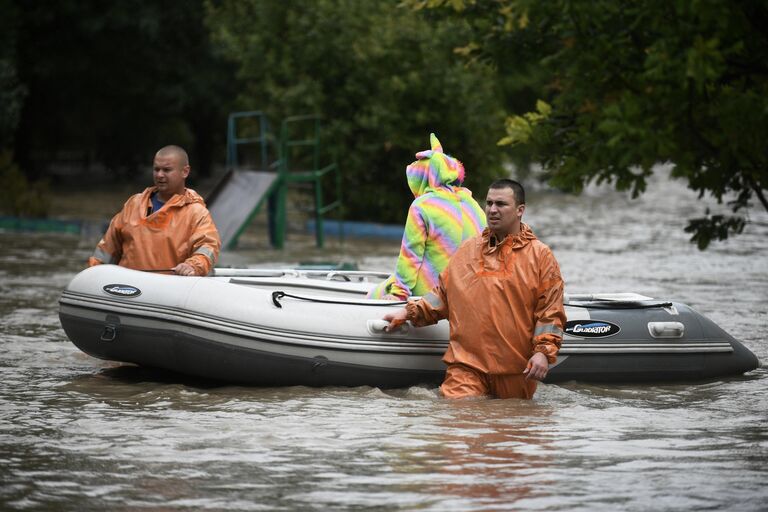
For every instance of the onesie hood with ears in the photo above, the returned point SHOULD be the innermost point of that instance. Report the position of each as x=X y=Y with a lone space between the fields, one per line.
x=433 y=170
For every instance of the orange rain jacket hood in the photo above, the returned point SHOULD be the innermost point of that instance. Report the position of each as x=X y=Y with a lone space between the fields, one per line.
x=182 y=231
x=503 y=301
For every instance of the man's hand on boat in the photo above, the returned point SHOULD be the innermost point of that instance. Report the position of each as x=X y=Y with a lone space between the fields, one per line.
x=395 y=319
x=537 y=368
x=184 y=269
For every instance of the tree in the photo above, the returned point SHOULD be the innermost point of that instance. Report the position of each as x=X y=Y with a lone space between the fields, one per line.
x=108 y=83
x=381 y=76
x=12 y=92
x=17 y=195
x=634 y=83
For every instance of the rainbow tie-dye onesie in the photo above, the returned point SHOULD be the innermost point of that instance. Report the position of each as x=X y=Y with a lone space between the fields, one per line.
x=442 y=215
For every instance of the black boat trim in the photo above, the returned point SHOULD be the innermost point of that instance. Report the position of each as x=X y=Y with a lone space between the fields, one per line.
x=636 y=348
x=618 y=304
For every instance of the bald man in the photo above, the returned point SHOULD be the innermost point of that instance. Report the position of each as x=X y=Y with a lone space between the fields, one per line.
x=165 y=228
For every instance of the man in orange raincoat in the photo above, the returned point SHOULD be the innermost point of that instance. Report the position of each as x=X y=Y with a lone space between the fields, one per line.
x=166 y=227
x=502 y=294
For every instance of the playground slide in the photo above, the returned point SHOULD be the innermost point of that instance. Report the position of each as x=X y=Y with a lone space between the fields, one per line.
x=235 y=200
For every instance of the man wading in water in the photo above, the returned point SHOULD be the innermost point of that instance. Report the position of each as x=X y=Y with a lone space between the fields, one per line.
x=503 y=297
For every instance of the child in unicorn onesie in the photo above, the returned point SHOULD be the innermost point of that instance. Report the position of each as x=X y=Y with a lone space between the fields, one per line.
x=442 y=215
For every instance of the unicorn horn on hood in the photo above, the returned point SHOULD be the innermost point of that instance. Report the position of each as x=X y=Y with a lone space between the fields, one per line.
x=433 y=169
x=436 y=146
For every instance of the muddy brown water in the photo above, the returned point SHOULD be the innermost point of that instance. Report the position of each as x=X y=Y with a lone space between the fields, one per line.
x=77 y=433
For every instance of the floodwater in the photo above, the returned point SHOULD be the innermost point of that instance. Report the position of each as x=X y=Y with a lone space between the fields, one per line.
x=78 y=433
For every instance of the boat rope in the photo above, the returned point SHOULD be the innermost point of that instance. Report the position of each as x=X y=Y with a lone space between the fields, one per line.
x=608 y=304
x=277 y=295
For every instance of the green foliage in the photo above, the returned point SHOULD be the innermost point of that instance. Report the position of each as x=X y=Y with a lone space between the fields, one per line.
x=19 y=196
x=715 y=227
x=520 y=128
x=382 y=77
x=12 y=92
x=111 y=82
x=11 y=99
x=616 y=87
x=632 y=84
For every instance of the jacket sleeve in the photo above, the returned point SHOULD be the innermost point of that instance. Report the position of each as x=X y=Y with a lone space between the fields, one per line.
x=110 y=247
x=430 y=309
x=205 y=245
x=411 y=258
x=550 y=312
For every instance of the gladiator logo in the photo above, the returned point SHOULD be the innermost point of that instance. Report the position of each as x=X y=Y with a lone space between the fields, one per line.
x=591 y=328
x=122 y=290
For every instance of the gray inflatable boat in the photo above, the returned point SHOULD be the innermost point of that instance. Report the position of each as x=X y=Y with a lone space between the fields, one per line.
x=315 y=328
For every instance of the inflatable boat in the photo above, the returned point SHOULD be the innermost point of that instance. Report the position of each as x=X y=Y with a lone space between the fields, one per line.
x=316 y=328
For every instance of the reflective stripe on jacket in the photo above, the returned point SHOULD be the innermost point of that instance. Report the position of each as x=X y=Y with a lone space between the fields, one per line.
x=503 y=302
x=182 y=231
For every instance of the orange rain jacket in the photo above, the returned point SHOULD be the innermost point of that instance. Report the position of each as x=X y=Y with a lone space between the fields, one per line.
x=182 y=231
x=503 y=303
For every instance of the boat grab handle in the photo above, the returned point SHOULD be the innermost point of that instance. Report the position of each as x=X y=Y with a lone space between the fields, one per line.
x=379 y=326
x=109 y=333
x=666 y=329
